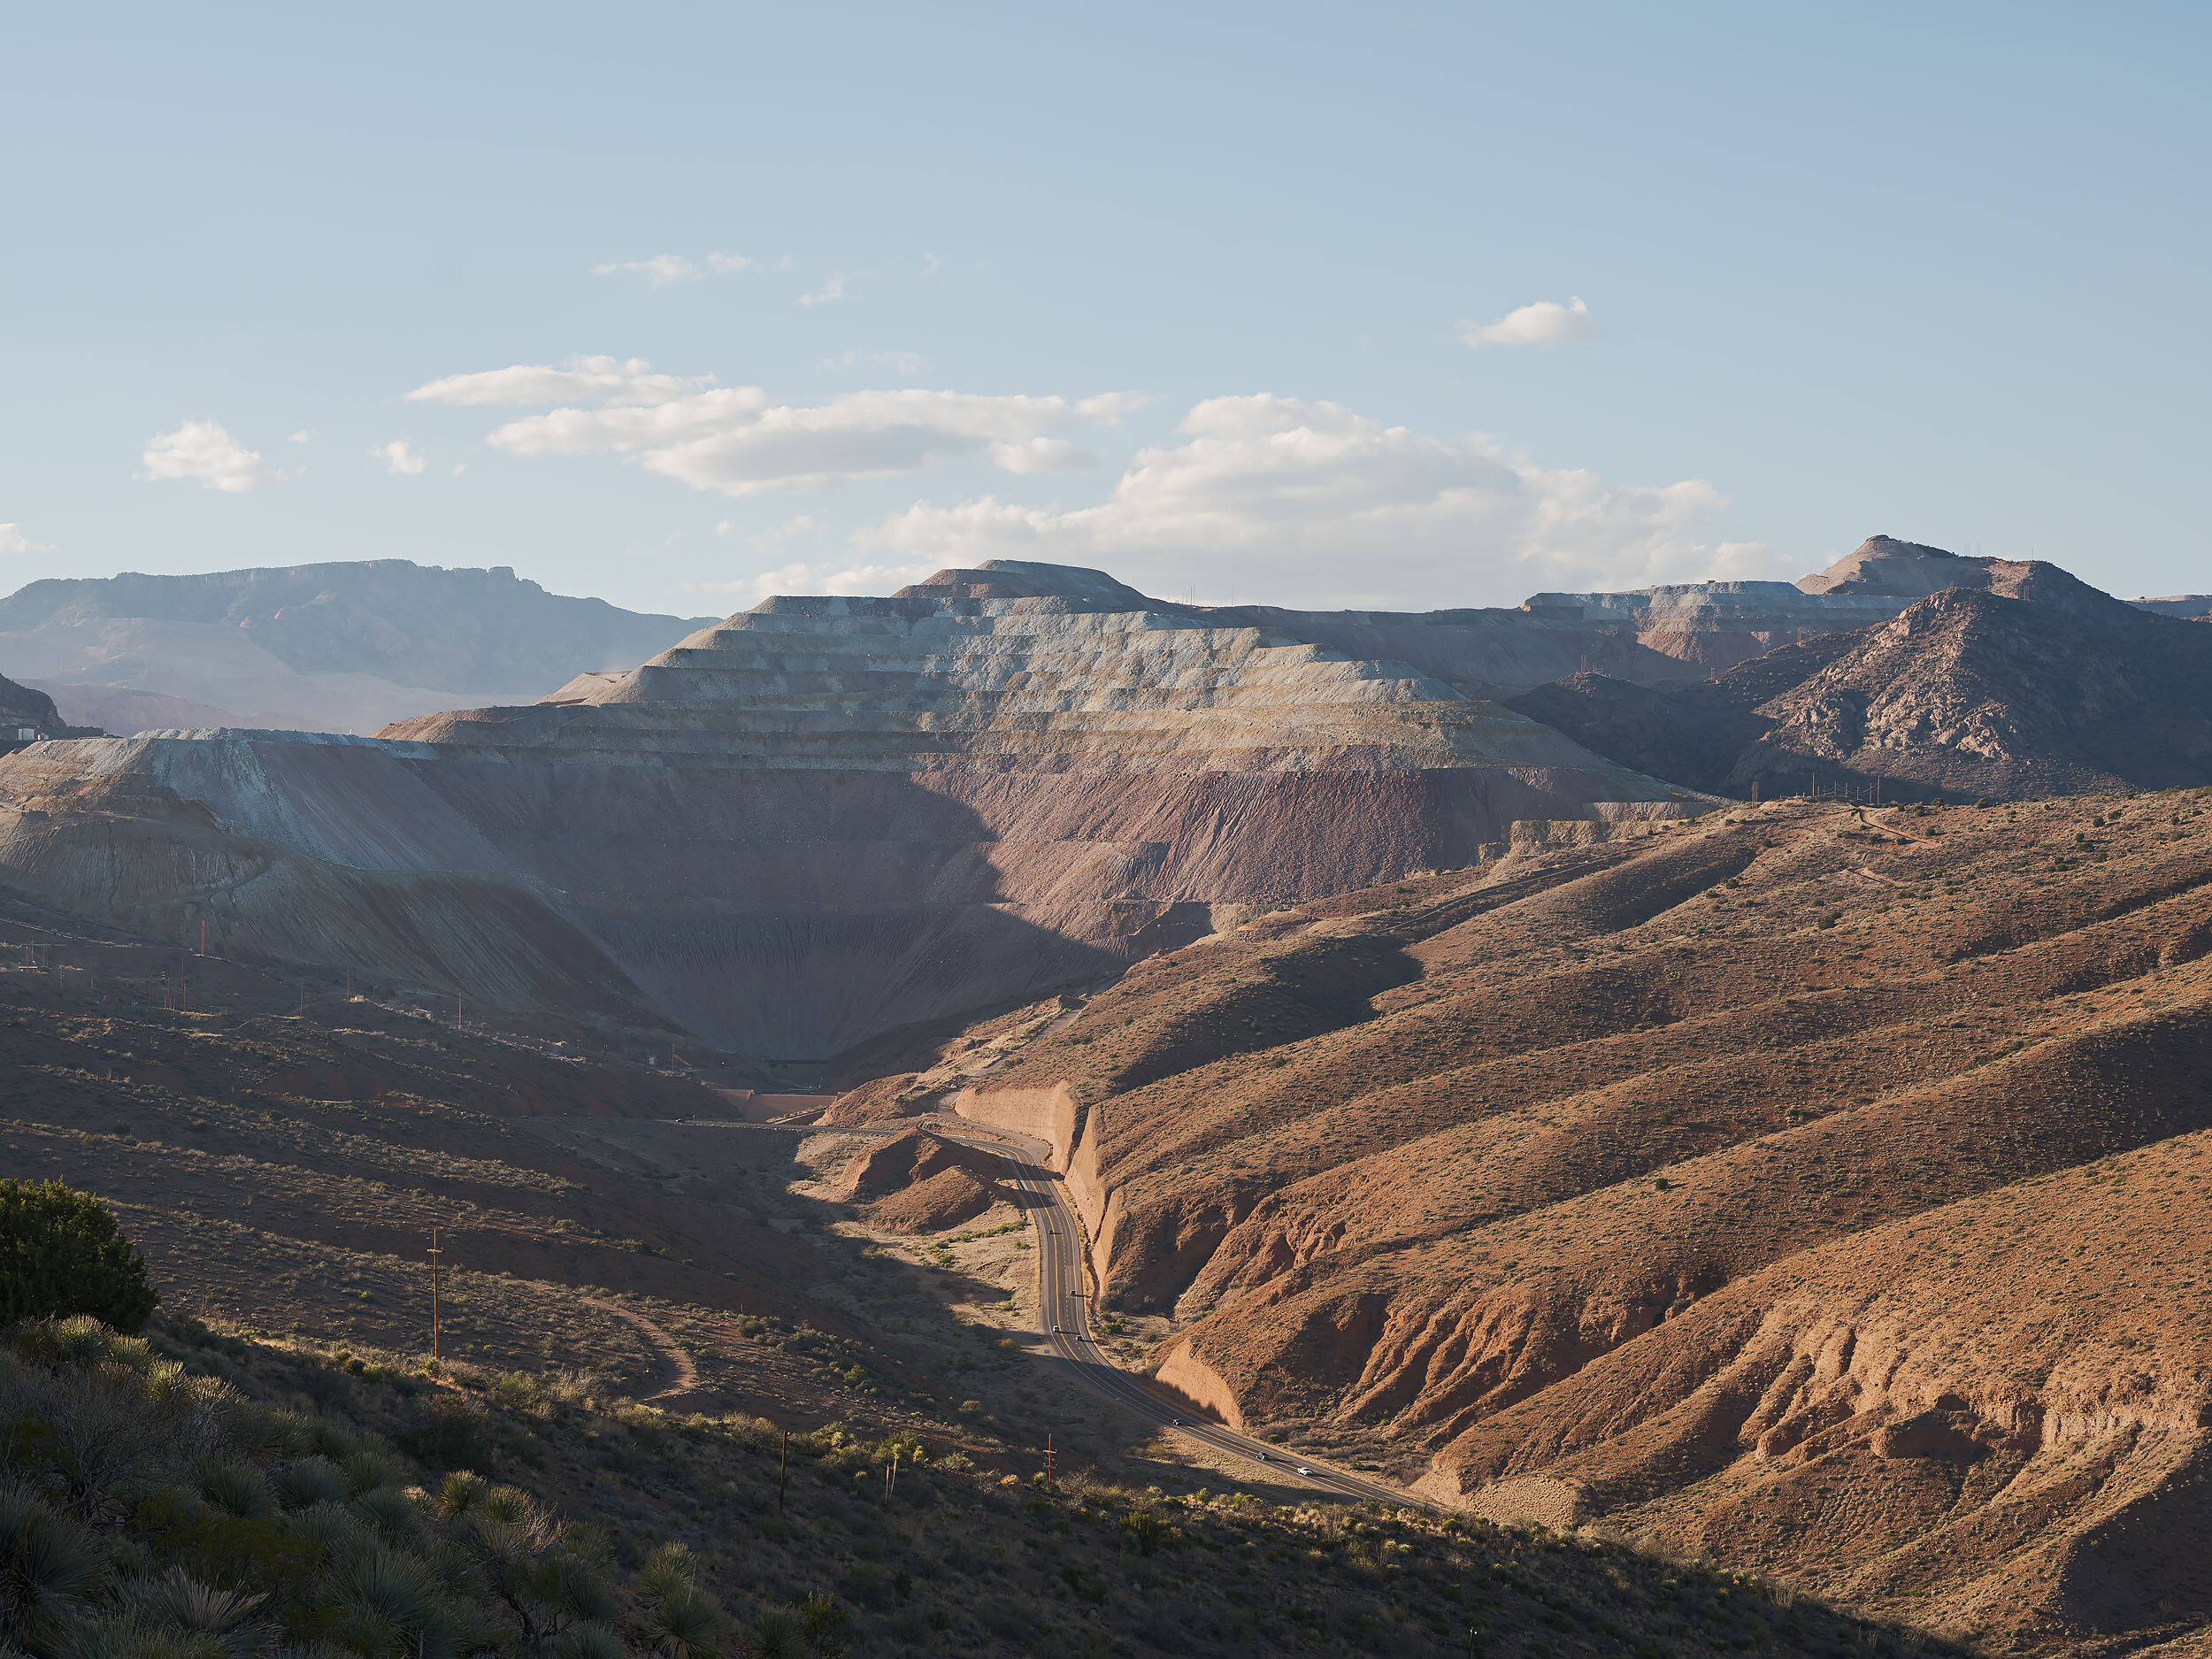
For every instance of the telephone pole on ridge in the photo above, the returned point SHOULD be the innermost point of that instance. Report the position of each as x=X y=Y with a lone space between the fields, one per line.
x=434 y=1254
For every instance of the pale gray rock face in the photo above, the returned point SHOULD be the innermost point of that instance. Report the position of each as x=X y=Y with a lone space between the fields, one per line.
x=800 y=827
x=337 y=647
x=822 y=819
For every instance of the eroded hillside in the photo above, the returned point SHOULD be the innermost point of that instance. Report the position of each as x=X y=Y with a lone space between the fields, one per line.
x=636 y=1306
x=1819 y=1187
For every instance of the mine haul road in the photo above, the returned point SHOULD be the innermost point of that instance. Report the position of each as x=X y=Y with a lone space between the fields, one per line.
x=1063 y=1313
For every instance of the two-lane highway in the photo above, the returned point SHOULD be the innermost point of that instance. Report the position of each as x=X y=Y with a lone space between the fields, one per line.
x=1063 y=1311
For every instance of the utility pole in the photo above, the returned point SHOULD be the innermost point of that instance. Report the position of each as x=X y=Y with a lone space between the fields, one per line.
x=456 y=1011
x=434 y=1254
x=1049 y=1475
x=783 y=1472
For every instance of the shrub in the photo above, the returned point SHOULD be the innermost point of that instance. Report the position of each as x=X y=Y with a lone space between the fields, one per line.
x=777 y=1634
x=451 y=1431
x=311 y=1480
x=824 y=1622
x=1144 y=1531
x=61 y=1254
x=238 y=1489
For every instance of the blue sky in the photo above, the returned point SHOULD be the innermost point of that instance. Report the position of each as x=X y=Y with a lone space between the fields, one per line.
x=1231 y=300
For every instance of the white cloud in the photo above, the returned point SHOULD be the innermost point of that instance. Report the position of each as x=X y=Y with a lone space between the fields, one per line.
x=1311 y=504
x=399 y=458
x=596 y=379
x=738 y=263
x=830 y=578
x=300 y=436
x=661 y=269
x=13 y=540
x=1546 y=322
x=833 y=289
x=734 y=440
x=1040 y=455
x=204 y=450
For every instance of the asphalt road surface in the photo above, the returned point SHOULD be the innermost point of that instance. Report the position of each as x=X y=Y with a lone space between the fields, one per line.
x=1065 y=1313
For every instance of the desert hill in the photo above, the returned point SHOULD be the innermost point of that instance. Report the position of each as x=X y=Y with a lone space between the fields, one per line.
x=1818 y=1187
x=1967 y=693
x=819 y=820
x=30 y=717
x=673 y=1333
x=337 y=647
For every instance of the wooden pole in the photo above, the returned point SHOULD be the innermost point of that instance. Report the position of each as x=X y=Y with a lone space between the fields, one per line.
x=434 y=1254
x=1049 y=1475
x=783 y=1472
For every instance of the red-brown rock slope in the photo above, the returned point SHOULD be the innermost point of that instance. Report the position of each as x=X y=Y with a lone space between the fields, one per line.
x=1827 y=1190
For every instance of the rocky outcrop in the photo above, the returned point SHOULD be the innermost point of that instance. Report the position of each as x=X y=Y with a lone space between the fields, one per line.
x=919 y=1182
x=1971 y=694
x=825 y=819
x=1967 y=692
x=1663 y=637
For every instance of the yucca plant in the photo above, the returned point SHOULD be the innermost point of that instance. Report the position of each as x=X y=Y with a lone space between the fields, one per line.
x=235 y=1488
x=311 y=1480
x=777 y=1634
x=49 y=1566
x=204 y=1609
x=589 y=1642
x=685 y=1623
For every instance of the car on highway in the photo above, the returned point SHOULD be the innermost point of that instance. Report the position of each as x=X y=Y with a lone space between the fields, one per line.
x=1303 y=1470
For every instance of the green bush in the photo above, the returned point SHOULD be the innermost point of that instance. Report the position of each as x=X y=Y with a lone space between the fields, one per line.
x=61 y=1254
x=452 y=1432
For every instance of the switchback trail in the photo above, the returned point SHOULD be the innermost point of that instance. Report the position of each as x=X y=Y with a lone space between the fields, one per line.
x=1063 y=1314
x=673 y=1351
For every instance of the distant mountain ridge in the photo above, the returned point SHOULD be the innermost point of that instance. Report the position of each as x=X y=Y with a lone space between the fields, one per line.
x=352 y=646
x=2058 y=690
x=343 y=647
x=28 y=716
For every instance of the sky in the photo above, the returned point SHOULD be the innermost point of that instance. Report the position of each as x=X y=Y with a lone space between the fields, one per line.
x=1391 y=305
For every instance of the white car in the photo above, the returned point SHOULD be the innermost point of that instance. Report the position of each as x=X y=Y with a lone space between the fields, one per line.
x=1303 y=1470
